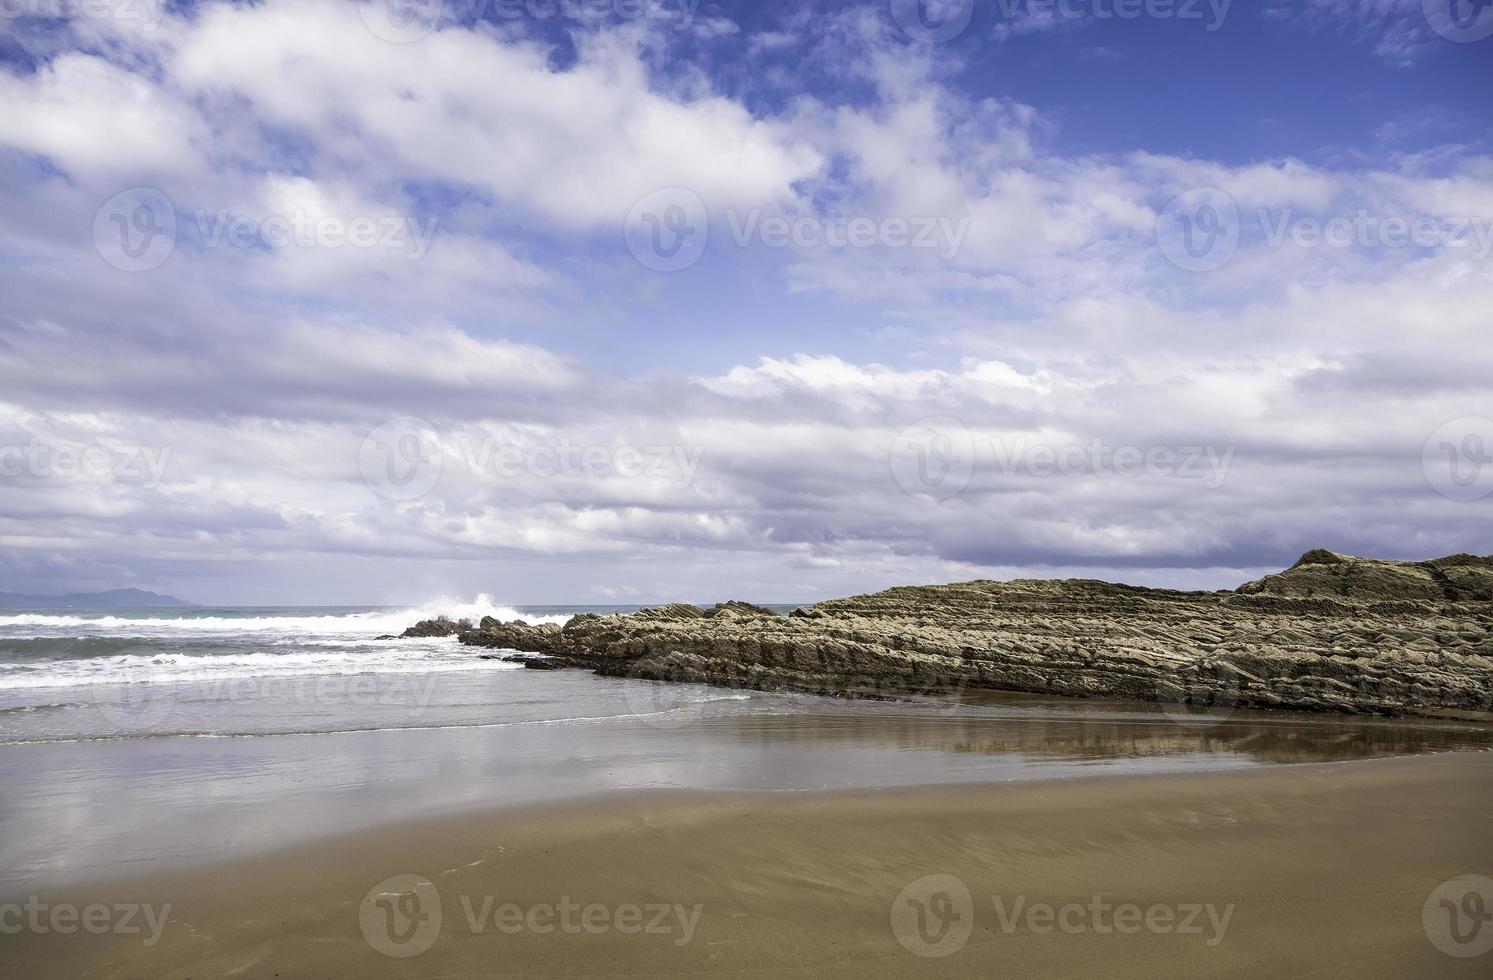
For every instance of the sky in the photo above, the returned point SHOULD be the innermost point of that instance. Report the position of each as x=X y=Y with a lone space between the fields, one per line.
x=626 y=301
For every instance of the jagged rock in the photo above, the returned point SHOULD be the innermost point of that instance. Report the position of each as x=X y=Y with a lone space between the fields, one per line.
x=1332 y=633
x=737 y=610
x=440 y=626
x=1331 y=575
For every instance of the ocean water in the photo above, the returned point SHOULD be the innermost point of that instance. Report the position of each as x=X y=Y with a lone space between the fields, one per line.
x=243 y=671
x=133 y=740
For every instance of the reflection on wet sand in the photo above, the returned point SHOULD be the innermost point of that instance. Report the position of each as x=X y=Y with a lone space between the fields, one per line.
x=1100 y=732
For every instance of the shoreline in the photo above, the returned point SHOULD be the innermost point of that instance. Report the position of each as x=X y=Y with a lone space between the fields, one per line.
x=1326 y=865
x=1333 y=633
x=196 y=808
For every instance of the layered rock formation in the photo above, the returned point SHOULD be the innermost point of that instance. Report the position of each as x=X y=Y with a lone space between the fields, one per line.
x=1332 y=633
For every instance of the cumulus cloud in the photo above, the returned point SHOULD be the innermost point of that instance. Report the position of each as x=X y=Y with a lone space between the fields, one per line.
x=1057 y=394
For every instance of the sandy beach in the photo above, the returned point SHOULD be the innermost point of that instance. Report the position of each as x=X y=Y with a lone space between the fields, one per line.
x=1292 y=871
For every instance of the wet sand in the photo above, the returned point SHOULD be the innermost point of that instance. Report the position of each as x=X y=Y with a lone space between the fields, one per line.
x=81 y=811
x=1290 y=871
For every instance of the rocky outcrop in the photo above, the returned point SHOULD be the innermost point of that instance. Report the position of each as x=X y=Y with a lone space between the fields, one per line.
x=1332 y=633
x=440 y=626
x=1327 y=574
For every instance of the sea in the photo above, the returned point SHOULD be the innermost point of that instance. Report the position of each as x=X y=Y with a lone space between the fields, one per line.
x=136 y=739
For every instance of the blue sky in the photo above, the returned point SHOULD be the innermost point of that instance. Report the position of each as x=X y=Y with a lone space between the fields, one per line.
x=832 y=302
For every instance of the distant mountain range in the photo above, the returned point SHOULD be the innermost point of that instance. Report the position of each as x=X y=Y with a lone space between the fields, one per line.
x=113 y=599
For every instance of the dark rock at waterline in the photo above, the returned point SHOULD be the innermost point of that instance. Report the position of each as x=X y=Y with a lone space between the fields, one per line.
x=1331 y=633
x=737 y=610
x=440 y=626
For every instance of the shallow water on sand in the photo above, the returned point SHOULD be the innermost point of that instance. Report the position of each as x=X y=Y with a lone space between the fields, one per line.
x=223 y=738
x=79 y=810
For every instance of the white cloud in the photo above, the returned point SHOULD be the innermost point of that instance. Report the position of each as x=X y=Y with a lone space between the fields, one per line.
x=1058 y=322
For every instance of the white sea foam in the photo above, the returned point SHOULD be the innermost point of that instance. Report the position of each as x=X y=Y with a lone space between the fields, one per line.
x=65 y=648
x=308 y=627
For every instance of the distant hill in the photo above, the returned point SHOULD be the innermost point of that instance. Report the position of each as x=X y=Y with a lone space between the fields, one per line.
x=113 y=599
